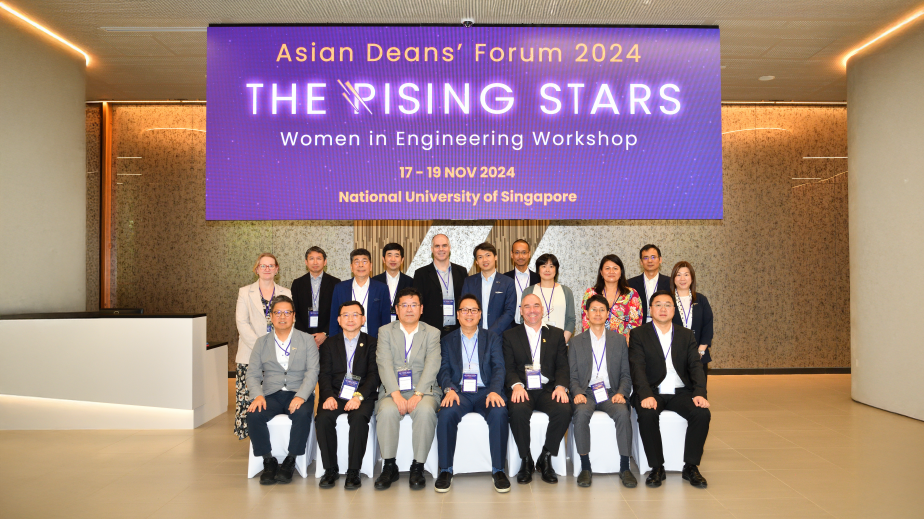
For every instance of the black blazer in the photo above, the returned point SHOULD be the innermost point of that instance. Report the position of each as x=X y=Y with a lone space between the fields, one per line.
x=553 y=359
x=701 y=323
x=647 y=365
x=404 y=281
x=302 y=297
x=533 y=277
x=427 y=282
x=334 y=367
x=638 y=283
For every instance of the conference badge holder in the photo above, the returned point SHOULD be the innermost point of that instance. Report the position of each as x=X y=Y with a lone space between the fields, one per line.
x=405 y=380
x=313 y=319
x=599 y=389
x=350 y=384
x=448 y=307
x=394 y=317
x=533 y=376
x=469 y=381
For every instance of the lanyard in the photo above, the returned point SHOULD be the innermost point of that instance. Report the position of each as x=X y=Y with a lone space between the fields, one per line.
x=391 y=293
x=548 y=304
x=472 y=354
x=448 y=276
x=599 y=365
x=685 y=315
x=536 y=348
x=517 y=279
x=407 y=350
x=350 y=360
x=284 y=350
x=267 y=307
x=316 y=294
x=669 y=346
x=611 y=314
x=365 y=297
x=648 y=295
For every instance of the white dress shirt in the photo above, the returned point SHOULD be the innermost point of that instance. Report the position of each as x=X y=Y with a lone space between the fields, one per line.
x=599 y=352
x=672 y=381
x=392 y=283
x=409 y=340
x=651 y=286
x=685 y=309
x=487 y=287
x=361 y=294
x=521 y=280
x=281 y=348
x=536 y=342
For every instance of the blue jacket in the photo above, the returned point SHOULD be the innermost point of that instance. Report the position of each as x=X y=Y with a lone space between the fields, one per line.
x=378 y=305
x=502 y=306
x=490 y=356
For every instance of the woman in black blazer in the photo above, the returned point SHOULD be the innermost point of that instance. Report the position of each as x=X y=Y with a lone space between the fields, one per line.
x=693 y=310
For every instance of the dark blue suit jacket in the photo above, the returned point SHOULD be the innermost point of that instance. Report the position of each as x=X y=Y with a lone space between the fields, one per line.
x=490 y=356
x=701 y=323
x=404 y=281
x=502 y=305
x=378 y=304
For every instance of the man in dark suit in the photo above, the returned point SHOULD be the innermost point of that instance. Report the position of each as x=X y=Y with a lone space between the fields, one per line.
x=312 y=295
x=496 y=294
x=544 y=389
x=522 y=277
x=371 y=294
x=348 y=383
x=393 y=257
x=651 y=280
x=440 y=287
x=678 y=386
x=472 y=377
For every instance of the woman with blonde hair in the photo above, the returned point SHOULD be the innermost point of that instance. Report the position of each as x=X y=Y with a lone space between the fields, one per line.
x=253 y=321
x=693 y=310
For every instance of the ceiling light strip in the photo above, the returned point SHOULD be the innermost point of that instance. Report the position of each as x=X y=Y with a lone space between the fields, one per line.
x=43 y=29
x=888 y=31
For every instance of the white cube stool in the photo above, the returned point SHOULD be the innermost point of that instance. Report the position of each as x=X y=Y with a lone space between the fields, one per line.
x=673 y=436
x=279 y=428
x=343 y=449
x=406 y=450
x=538 y=424
x=604 y=450
x=473 y=446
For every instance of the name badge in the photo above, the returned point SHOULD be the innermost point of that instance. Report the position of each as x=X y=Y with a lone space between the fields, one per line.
x=469 y=382
x=550 y=322
x=350 y=384
x=312 y=319
x=394 y=317
x=599 y=389
x=449 y=308
x=405 y=380
x=533 y=376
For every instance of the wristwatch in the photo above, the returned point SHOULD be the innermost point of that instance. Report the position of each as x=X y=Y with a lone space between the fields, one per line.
x=358 y=395
x=418 y=393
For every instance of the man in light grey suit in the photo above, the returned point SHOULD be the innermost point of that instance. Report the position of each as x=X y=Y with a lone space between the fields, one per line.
x=599 y=361
x=408 y=357
x=283 y=371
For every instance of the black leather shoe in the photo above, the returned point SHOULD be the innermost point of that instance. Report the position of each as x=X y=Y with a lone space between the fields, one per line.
x=286 y=470
x=525 y=475
x=655 y=477
x=544 y=467
x=443 y=482
x=352 y=480
x=416 y=478
x=691 y=474
x=330 y=477
x=270 y=466
x=501 y=483
x=628 y=479
x=388 y=476
x=585 y=478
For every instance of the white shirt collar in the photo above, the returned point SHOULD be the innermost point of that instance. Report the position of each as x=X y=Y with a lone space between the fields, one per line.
x=283 y=342
x=488 y=278
x=594 y=336
x=393 y=278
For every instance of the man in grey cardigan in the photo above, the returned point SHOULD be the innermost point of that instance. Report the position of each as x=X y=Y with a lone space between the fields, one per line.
x=599 y=361
x=283 y=372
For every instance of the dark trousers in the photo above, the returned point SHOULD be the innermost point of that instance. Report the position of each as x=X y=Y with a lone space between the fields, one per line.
x=521 y=413
x=276 y=404
x=326 y=427
x=706 y=370
x=447 y=427
x=649 y=427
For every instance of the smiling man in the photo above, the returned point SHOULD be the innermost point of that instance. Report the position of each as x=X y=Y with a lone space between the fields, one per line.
x=393 y=258
x=371 y=294
x=496 y=294
x=650 y=280
x=440 y=286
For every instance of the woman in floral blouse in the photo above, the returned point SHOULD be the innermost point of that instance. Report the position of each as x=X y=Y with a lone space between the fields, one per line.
x=625 y=304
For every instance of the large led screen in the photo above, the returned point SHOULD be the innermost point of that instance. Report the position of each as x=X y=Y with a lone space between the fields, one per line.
x=437 y=122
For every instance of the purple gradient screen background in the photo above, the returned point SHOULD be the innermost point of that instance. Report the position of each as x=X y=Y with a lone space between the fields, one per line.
x=673 y=172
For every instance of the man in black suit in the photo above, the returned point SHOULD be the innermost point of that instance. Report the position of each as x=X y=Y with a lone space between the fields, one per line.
x=348 y=383
x=440 y=287
x=520 y=255
x=677 y=386
x=393 y=257
x=312 y=294
x=651 y=280
x=544 y=389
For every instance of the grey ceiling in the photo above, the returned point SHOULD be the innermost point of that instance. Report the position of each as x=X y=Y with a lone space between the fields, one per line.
x=798 y=41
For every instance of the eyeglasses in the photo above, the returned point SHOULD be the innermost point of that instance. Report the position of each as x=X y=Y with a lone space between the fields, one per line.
x=266 y=267
x=598 y=310
x=662 y=305
x=469 y=311
x=360 y=262
x=646 y=258
x=280 y=313
x=405 y=306
x=354 y=315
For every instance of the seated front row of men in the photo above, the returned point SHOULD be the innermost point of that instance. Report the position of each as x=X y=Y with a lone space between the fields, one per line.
x=409 y=371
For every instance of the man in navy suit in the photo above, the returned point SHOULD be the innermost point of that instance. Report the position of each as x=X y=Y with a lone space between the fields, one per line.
x=393 y=257
x=496 y=294
x=651 y=280
x=520 y=255
x=372 y=294
x=472 y=377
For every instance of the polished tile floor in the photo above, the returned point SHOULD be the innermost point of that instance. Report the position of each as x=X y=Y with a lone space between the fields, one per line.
x=790 y=446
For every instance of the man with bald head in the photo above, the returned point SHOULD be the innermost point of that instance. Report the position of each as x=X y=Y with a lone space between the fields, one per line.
x=440 y=287
x=538 y=376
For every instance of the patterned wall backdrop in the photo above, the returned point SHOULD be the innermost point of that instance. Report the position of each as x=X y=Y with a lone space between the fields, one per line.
x=775 y=269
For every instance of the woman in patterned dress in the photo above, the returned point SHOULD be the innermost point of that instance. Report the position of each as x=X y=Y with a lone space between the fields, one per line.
x=253 y=321
x=625 y=304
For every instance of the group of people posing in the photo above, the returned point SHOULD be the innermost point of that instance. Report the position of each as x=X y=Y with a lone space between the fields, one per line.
x=443 y=344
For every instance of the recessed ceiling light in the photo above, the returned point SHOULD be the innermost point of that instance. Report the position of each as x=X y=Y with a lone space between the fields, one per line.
x=766 y=78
